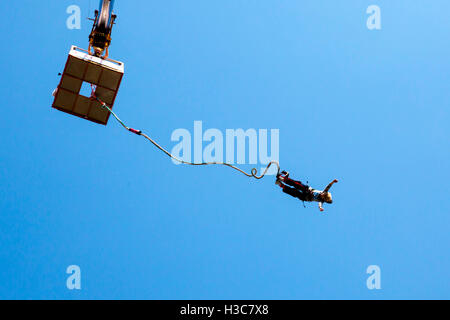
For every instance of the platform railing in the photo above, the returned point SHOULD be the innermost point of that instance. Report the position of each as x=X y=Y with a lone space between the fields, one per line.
x=107 y=59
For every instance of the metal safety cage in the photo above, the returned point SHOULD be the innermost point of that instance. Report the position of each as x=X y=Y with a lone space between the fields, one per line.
x=83 y=69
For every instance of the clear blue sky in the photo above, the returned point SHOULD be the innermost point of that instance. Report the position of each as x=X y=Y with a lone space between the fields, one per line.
x=370 y=108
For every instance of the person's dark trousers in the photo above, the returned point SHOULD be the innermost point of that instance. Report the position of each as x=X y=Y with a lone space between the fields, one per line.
x=296 y=184
x=294 y=192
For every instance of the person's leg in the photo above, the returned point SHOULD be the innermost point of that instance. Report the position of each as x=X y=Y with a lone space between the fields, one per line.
x=296 y=184
x=294 y=193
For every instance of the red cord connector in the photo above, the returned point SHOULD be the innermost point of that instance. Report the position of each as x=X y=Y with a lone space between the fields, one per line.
x=138 y=132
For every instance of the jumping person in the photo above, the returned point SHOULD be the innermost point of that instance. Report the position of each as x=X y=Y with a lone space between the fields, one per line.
x=304 y=192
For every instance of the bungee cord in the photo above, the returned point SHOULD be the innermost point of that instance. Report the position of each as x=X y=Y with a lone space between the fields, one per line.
x=253 y=173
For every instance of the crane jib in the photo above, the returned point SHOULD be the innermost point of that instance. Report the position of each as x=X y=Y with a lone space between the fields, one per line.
x=105 y=9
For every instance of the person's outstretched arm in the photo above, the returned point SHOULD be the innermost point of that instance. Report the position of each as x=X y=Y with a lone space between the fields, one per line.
x=330 y=185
